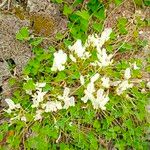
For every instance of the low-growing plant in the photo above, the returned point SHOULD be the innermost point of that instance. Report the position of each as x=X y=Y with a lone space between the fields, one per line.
x=79 y=95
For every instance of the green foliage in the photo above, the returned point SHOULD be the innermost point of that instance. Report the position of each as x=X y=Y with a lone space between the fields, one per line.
x=124 y=123
x=23 y=34
x=67 y=10
x=118 y=2
x=147 y=2
x=122 y=22
x=29 y=85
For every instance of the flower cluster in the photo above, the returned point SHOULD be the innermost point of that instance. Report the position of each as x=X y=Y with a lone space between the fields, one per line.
x=47 y=105
x=96 y=87
x=60 y=59
x=15 y=110
x=78 y=50
x=101 y=98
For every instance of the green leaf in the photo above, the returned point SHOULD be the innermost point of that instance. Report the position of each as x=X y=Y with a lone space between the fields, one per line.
x=138 y=2
x=67 y=10
x=57 y=1
x=67 y=42
x=29 y=85
x=77 y=2
x=118 y=2
x=125 y=47
x=94 y=5
x=52 y=49
x=23 y=34
x=84 y=14
x=36 y=42
x=97 y=26
x=59 y=36
x=96 y=124
x=100 y=14
x=61 y=76
x=147 y=2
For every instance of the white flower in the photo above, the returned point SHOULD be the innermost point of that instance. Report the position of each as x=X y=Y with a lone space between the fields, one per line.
x=77 y=48
x=82 y=81
x=96 y=41
x=101 y=100
x=51 y=106
x=135 y=67
x=86 y=55
x=94 y=63
x=27 y=78
x=124 y=85
x=127 y=74
x=40 y=85
x=93 y=40
x=88 y=92
x=23 y=118
x=105 y=36
x=70 y=124
x=11 y=105
x=37 y=98
x=85 y=98
x=68 y=101
x=143 y=91
x=104 y=59
x=60 y=59
x=72 y=58
x=95 y=77
x=105 y=82
x=38 y=115
x=148 y=85
x=15 y=118
x=29 y=92
x=90 y=89
x=115 y=83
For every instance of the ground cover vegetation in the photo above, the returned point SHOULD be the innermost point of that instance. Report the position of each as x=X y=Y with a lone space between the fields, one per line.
x=87 y=90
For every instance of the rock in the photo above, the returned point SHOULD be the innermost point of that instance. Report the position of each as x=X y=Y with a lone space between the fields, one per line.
x=10 y=48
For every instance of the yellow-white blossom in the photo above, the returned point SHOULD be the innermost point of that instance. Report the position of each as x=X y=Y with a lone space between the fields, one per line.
x=135 y=67
x=23 y=118
x=124 y=85
x=105 y=36
x=96 y=41
x=105 y=82
x=72 y=58
x=40 y=85
x=127 y=74
x=101 y=100
x=78 y=48
x=95 y=77
x=148 y=84
x=12 y=105
x=37 y=98
x=92 y=40
x=115 y=83
x=51 y=106
x=68 y=101
x=88 y=92
x=90 y=89
x=59 y=61
x=38 y=115
x=104 y=59
x=82 y=81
